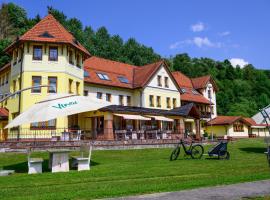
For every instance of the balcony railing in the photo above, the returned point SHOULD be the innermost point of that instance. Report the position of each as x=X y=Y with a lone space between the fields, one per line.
x=65 y=134
x=205 y=114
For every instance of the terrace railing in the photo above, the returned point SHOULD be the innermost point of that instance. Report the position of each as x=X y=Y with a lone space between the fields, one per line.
x=67 y=134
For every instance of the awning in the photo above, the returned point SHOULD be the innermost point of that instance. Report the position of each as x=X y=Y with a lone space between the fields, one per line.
x=161 y=118
x=57 y=105
x=258 y=126
x=137 y=117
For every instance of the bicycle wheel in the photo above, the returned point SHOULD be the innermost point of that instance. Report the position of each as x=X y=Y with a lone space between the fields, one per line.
x=175 y=154
x=197 y=151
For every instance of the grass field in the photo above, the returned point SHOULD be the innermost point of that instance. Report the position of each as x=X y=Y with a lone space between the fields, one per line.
x=130 y=172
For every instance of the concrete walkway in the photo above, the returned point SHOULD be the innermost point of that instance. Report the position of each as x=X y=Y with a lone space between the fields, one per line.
x=236 y=191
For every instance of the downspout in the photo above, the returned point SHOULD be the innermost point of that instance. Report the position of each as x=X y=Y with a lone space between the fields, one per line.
x=22 y=55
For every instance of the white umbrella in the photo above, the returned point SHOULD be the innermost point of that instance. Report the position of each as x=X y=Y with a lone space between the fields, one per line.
x=55 y=106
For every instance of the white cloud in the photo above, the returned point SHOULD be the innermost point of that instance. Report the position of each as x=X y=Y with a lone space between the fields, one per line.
x=197 y=41
x=200 y=42
x=197 y=27
x=238 y=61
x=225 y=33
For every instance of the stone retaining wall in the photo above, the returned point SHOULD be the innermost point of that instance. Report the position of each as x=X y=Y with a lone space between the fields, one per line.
x=98 y=144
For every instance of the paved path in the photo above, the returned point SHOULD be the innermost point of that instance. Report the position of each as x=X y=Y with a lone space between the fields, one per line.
x=236 y=191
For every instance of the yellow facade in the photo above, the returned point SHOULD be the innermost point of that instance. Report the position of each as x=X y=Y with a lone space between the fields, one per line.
x=216 y=130
x=23 y=68
x=228 y=130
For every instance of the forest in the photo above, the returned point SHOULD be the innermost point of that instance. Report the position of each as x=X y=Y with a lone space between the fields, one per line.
x=242 y=91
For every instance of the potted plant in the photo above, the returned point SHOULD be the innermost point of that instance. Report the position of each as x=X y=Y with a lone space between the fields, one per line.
x=205 y=135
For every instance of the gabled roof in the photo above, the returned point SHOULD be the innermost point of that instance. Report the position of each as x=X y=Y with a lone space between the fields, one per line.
x=50 y=30
x=226 y=120
x=201 y=82
x=113 y=69
x=182 y=80
x=188 y=92
x=137 y=76
x=253 y=123
x=143 y=74
x=196 y=98
x=3 y=113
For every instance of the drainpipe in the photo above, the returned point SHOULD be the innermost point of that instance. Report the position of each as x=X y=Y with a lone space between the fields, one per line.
x=21 y=79
x=22 y=55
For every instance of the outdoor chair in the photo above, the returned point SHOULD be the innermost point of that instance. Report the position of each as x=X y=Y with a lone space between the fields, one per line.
x=134 y=135
x=140 y=134
x=151 y=134
x=120 y=134
x=34 y=164
x=77 y=135
x=83 y=161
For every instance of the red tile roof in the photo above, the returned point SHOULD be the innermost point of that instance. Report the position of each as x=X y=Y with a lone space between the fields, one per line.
x=185 y=82
x=3 y=113
x=112 y=68
x=253 y=123
x=200 y=82
x=50 y=30
x=226 y=120
x=182 y=80
x=197 y=98
x=143 y=74
x=136 y=76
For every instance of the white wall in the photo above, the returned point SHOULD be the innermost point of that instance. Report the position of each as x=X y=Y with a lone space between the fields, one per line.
x=163 y=73
x=154 y=89
x=232 y=133
x=213 y=100
x=115 y=92
x=260 y=132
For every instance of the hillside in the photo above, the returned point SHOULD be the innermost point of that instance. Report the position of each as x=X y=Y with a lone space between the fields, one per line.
x=241 y=91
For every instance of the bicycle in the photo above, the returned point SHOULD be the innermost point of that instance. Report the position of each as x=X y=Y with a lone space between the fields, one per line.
x=195 y=151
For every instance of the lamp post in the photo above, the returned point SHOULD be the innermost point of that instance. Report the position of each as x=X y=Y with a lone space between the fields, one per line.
x=22 y=90
x=211 y=108
x=19 y=92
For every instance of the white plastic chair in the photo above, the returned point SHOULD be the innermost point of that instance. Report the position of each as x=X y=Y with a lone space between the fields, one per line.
x=34 y=164
x=83 y=162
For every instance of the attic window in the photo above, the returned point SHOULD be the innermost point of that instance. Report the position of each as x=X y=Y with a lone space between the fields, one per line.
x=123 y=79
x=103 y=76
x=46 y=35
x=195 y=92
x=183 y=90
x=86 y=73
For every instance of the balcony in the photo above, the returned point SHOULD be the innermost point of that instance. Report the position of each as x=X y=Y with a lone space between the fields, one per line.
x=205 y=114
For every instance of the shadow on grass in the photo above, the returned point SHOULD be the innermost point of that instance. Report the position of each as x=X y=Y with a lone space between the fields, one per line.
x=23 y=166
x=259 y=150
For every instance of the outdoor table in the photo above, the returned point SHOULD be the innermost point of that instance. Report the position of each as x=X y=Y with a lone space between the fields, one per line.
x=59 y=160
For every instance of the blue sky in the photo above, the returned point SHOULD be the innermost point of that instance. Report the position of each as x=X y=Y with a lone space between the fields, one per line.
x=224 y=29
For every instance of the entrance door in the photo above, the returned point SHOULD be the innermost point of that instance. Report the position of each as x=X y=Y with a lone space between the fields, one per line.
x=188 y=127
x=4 y=134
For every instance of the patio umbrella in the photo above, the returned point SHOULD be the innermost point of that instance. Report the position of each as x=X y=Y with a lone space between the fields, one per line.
x=55 y=106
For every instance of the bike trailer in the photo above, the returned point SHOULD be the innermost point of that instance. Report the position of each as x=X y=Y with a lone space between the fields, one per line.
x=220 y=150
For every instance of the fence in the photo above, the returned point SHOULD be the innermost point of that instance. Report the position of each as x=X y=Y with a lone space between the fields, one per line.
x=66 y=134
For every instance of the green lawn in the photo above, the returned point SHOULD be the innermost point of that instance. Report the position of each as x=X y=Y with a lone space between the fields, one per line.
x=130 y=172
